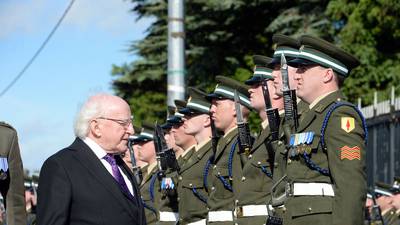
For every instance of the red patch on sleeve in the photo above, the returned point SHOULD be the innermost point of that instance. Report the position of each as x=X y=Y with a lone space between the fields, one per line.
x=350 y=153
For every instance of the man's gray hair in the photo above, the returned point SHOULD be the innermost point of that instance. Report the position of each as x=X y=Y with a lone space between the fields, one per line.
x=94 y=107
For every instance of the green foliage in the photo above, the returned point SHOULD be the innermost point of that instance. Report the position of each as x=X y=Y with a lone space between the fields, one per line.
x=370 y=31
x=221 y=37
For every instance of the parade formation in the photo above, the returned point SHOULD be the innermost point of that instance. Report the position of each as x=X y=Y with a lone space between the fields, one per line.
x=305 y=165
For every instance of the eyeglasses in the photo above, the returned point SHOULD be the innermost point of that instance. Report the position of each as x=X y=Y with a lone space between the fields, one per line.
x=124 y=123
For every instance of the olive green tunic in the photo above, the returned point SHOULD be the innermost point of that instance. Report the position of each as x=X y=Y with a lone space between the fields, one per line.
x=256 y=180
x=192 y=207
x=344 y=157
x=220 y=198
x=12 y=180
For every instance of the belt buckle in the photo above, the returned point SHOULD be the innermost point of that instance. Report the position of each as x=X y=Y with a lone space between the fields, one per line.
x=289 y=189
x=239 y=211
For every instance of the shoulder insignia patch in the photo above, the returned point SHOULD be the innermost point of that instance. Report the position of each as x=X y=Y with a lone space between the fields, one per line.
x=350 y=153
x=347 y=124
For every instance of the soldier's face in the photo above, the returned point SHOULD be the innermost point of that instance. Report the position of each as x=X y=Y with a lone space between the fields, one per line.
x=385 y=202
x=276 y=73
x=194 y=124
x=223 y=113
x=309 y=82
x=181 y=139
x=396 y=201
x=257 y=97
x=147 y=151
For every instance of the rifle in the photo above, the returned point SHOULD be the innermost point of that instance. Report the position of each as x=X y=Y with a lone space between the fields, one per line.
x=289 y=96
x=214 y=139
x=165 y=156
x=135 y=169
x=272 y=113
x=245 y=139
x=376 y=214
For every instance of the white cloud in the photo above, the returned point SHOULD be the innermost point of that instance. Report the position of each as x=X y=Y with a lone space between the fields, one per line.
x=111 y=16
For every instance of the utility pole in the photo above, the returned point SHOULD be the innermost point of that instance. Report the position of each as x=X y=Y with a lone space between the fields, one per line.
x=176 y=51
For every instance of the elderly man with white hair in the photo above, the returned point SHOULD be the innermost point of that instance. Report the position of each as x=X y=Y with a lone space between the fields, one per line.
x=88 y=182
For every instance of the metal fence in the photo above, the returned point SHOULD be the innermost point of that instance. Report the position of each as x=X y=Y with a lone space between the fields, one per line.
x=383 y=147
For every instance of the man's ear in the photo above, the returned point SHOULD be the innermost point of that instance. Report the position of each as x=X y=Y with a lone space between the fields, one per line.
x=94 y=128
x=233 y=111
x=207 y=121
x=328 y=75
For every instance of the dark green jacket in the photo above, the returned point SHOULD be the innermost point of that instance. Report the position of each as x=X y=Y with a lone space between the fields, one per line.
x=12 y=181
x=192 y=207
x=168 y=201
x=344 y=141
x=221 y=198
x=255 y=185
x=151 y=209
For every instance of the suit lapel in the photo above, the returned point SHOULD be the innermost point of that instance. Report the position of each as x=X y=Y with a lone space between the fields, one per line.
x=89 y=160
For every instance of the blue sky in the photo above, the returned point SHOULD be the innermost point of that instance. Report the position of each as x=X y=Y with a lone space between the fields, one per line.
x=75 y=64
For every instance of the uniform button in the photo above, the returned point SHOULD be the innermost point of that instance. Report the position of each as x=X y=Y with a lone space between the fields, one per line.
x=243 y=178
x=276 y=164
x=258 y=163
x=179 y=178
x=250 y=156
x=280 y=142
x=208 y=209
x=310 y=209
x=213 y=188
x=178 y=199
x=190 y=185
x=236 y=223
x=215 y=166
x=284 y=209
x=219 y=173
x=289 y=161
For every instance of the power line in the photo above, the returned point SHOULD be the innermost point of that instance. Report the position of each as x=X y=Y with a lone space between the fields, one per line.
x=39 y=50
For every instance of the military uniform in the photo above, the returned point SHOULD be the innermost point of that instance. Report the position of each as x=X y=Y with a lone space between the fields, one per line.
x=149 y=194
x=191 y=190
x=253 y=190
x=169 y=212
x=326 y=180
x=226 y=170
x=12 y=176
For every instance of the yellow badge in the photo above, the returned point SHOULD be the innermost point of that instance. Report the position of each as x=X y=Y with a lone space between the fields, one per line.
x=347 y=124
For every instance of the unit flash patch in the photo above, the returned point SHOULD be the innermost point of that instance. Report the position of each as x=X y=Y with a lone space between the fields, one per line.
x=347 y=124
x=350 y=153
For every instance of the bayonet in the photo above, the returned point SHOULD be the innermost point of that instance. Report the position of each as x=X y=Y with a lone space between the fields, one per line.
x=289 y=96
x=272 y=113
x=165 y=156
x=214 y=139
x=245 y=139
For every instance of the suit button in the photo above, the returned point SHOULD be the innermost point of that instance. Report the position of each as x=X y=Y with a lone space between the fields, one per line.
x=310 y=209
x=243 y=178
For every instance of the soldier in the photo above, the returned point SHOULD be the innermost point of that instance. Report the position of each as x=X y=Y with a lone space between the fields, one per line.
x=288 y=47
x=191 y=190
x=169 y=213
x=226 y=169
x=326 y=157
x=11 y=176
x=148 y=187
x=384 y=198
x=127 y=155
x=252 y=193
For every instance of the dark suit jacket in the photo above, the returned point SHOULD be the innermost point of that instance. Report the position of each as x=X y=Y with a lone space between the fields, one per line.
x=75 y=188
